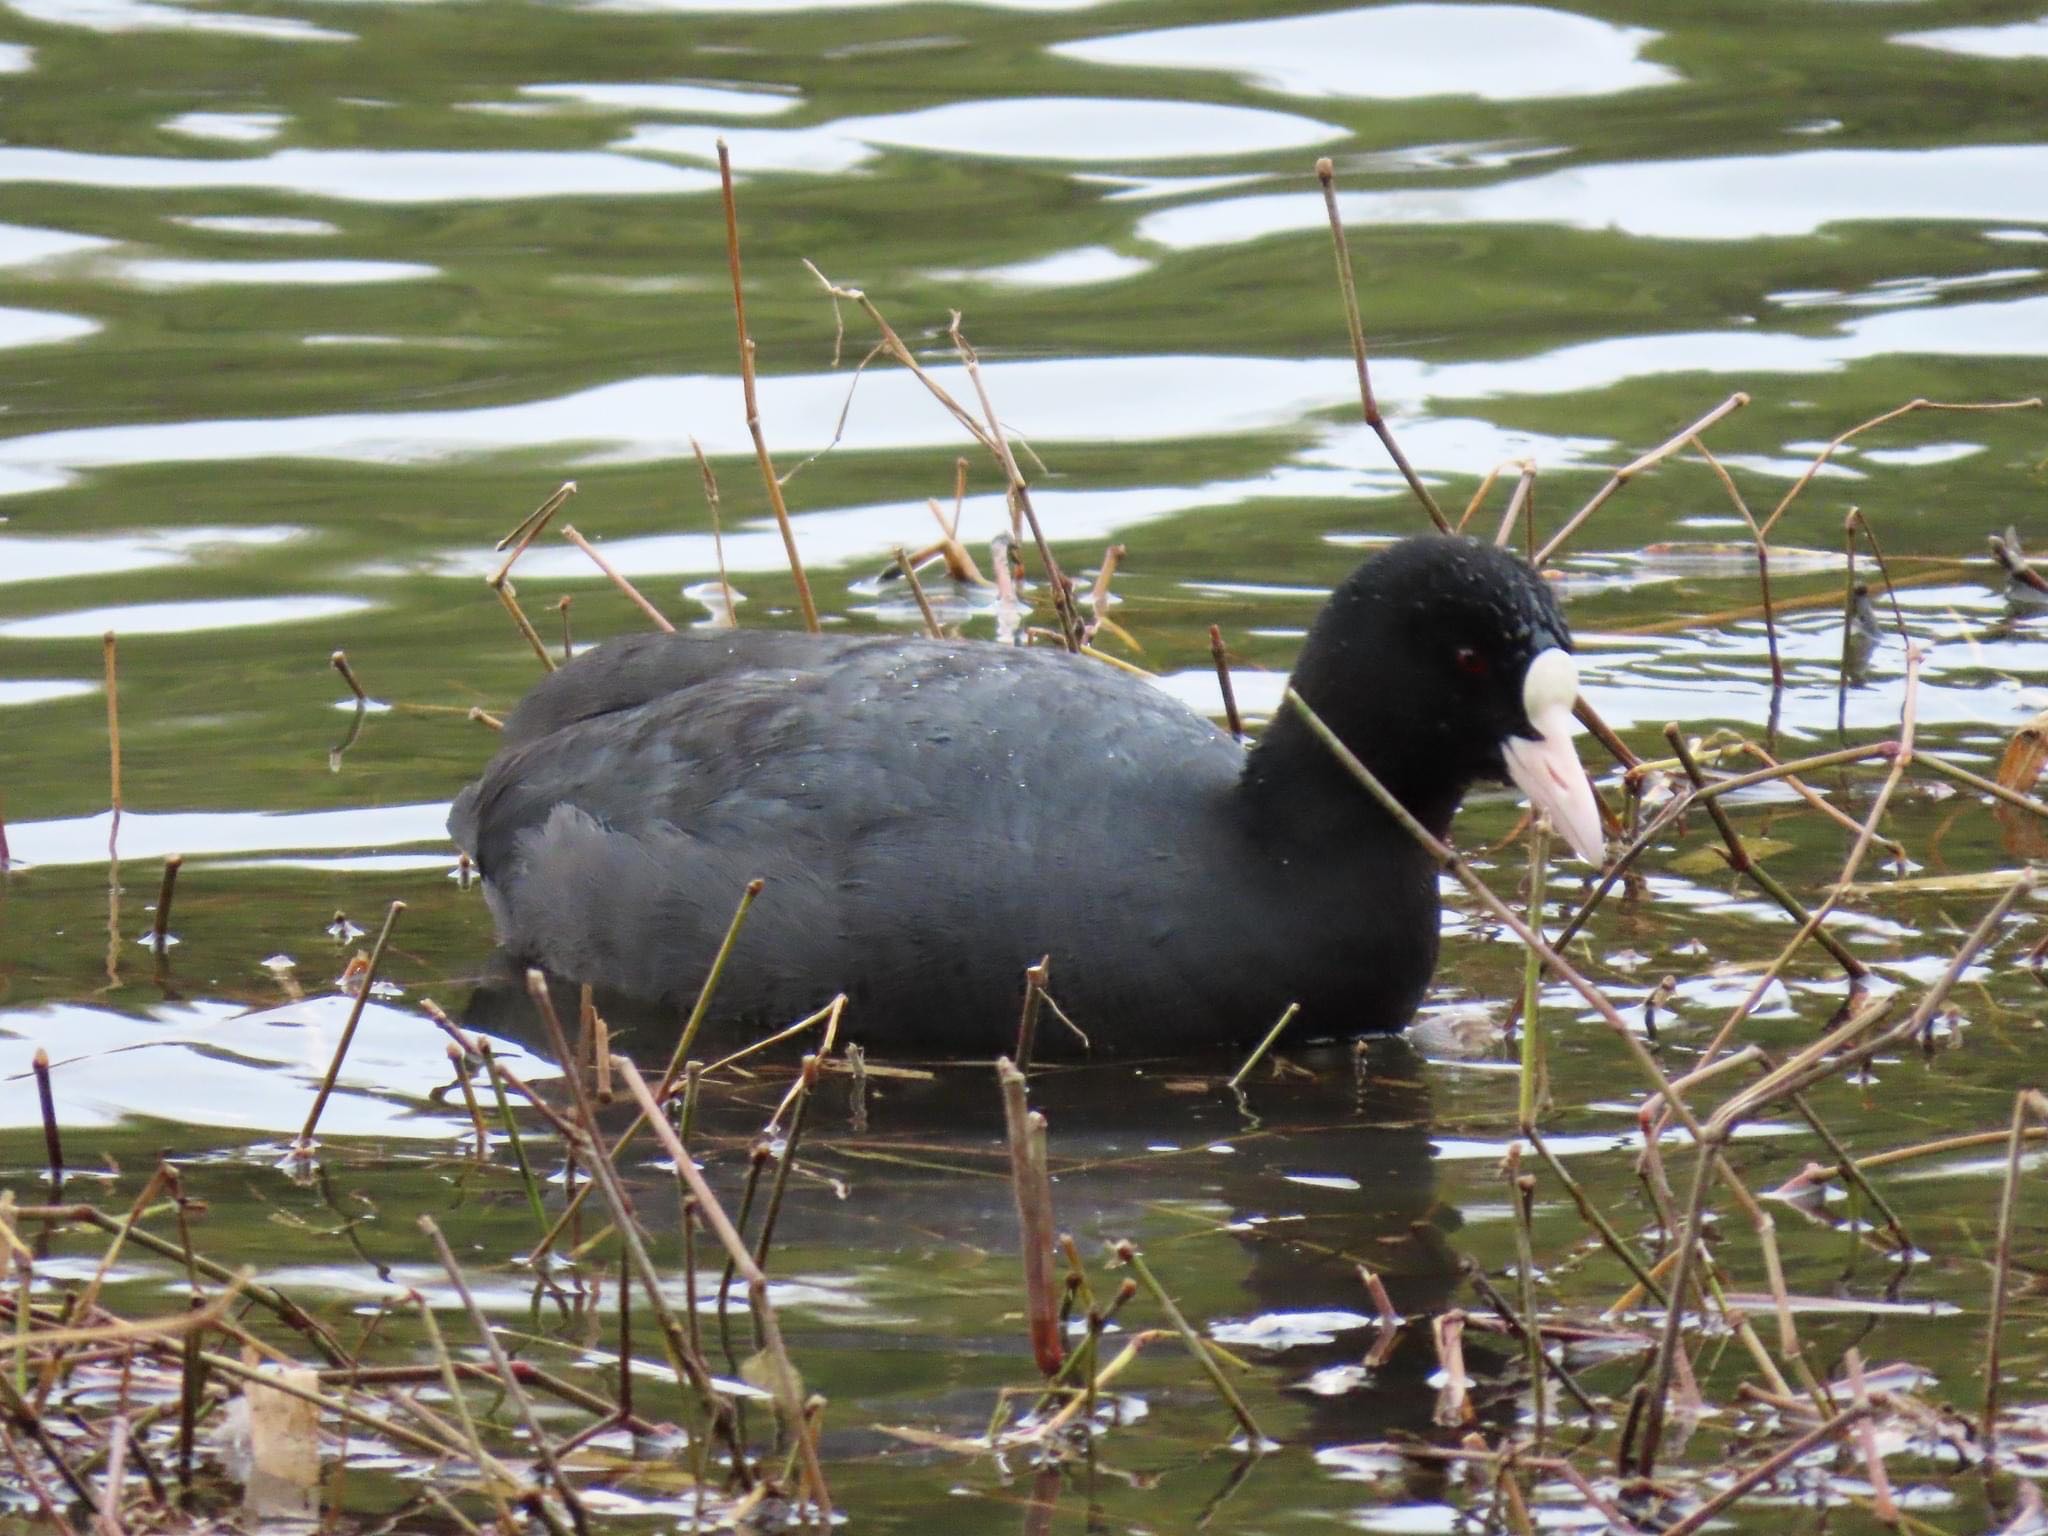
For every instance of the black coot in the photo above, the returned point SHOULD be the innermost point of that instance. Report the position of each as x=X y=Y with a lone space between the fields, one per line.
x=933 y=816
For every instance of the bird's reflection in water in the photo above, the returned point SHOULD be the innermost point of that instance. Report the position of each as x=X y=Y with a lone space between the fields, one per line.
x=1256 y=1208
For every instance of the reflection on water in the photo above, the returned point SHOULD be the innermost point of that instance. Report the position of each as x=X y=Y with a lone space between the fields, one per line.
x=1739 y=197
x=347 y=291
x=1402 y=52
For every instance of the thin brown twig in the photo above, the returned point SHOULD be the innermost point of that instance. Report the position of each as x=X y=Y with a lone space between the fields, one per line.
x=746 y=344
x=1630 y=470
x=617 y=579
x=1347 y=287
x=924 y=604
x=108 y=647
x=710 y=483
x=303 y=1147
x=2029 y=1101
x=1879 y=420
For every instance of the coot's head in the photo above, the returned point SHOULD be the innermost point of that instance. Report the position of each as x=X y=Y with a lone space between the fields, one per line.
x=1442 y=661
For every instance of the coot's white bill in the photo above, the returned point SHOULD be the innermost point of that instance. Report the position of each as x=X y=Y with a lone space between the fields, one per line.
x=1548 y=769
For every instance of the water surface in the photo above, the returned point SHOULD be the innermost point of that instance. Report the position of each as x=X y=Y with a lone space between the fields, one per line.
x=304 y=303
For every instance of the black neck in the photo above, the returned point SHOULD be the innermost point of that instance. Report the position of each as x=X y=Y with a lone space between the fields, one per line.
x=1344 y=675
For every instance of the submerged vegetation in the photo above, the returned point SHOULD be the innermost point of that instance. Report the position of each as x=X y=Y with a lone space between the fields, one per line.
x=653 y=1272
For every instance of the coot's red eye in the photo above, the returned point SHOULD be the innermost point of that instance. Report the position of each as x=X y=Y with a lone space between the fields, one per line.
x=1470 y=662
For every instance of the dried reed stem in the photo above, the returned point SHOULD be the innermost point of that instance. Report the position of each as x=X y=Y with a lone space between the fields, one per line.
x=1020 y=493
x=1740 y=861
x=1259 y=1051
x=785 y=1386
x=746 y=343
x=1763 y=558
x=1630 y=470
x=1222 y=659
x=1032 y=1187
x=1767 y=1469
x=710 y=482
x=53 y=1141
x=1894 y=414
x=529 y=528
x=303 y=1147
x=1463 y=873
x=1347 y=286
x=2028 y=1102
x=543 y=1447
x=113 y=687
x=1128 y=1254
x=924 y=604
x=159 y=928
x=1521 y=499
x=617 y=579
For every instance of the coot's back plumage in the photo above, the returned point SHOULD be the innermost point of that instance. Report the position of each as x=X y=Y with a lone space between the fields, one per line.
x=930 y=817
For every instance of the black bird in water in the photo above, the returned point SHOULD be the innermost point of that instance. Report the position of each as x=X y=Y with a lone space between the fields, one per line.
x=931 y=817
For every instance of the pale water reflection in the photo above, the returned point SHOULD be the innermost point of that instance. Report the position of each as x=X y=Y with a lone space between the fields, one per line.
x=1402 y=52
x=1574 y=232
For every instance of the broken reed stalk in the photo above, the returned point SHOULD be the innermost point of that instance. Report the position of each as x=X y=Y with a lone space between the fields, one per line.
x=1769 y=1468
x=1630 y=470
x=581 y=1139
x=113 y=687
x=1819 y=1173
x=1450 y=859
x=1763 y=558
x=529 y=528
x=1521 y=498
x=769 y=478
x=1900 y=754
x=1533 y=1090
x=303 y=1147
x=459 y=1065
x=702 y=1006
x=1593 y=1217
x=786 y=1388
x=1853 y=523
x=543 y=1447
x=618 y=579
x=1019 y=491
x=1522 y=1192
x=510 y=1122
x=798 y=1102
x=272 y=1300
x=1828 y=452
x=2028 y=1102
x=568 y=640
x=490 y=1472
x=1128 y=1255
x=1098 y=595
x=678 y=1059
x=1347 y=286
x=1222 y=659
x=159 y=928
x=523 y=534
x=1031 y=1184
x=710 y=482
x=339 y=661
x=924 y=604
x=1259 y=1051
x=1800 y=1072
x=1035 y=978
x=510 y=599
x=1740 y=861
x=53 y=1141
x=1882 y=1503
